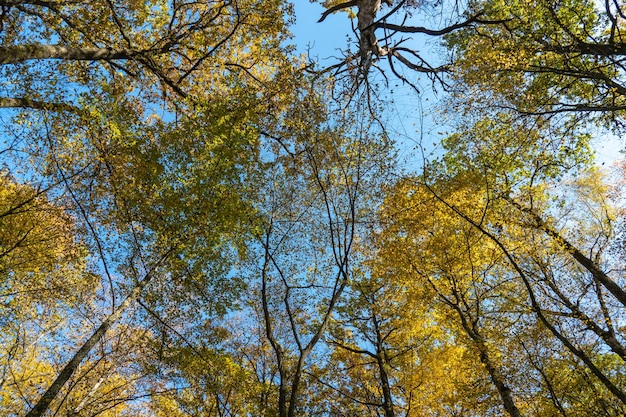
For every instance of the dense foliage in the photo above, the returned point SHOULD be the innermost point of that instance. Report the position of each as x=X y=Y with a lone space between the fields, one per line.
x=196 y=221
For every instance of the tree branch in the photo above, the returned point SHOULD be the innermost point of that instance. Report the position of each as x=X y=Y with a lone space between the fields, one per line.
x=437 y=32
x=26 y=103
x=22 y=53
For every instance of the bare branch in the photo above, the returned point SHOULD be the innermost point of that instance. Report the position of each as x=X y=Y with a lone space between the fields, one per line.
x=336 y=8
x=437 y=32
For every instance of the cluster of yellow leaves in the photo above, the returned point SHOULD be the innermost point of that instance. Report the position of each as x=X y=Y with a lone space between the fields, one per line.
x=26 y=380
x=213 y=384
x=39 y=250
x=458 y=279
x=100 y=390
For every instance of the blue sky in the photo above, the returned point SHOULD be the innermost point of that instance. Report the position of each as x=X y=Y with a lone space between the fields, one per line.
x=323 y=38
x=410 y=118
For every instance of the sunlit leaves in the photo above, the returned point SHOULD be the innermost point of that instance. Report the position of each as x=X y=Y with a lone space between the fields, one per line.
x=40 y=253
x=546 y=58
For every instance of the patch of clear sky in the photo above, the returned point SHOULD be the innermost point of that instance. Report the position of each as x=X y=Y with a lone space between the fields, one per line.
x=410 y=119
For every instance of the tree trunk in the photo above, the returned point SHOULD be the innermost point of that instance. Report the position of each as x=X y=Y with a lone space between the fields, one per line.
x=21 y=53
x=44 y=402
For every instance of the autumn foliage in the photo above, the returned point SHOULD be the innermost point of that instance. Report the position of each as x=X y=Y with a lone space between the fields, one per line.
x=197 y=221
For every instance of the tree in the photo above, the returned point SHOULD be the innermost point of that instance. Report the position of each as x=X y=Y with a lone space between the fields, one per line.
x=149 y=192
x=309 y=222
x=523 y=247
x=153 y=48
x=441 y=257
x=383 y=36
x=44 y=275
x=192 y=223
x=544 y=59
x=390 y=355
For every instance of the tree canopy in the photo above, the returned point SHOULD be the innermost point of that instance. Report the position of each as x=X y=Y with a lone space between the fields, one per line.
x=196 y=220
